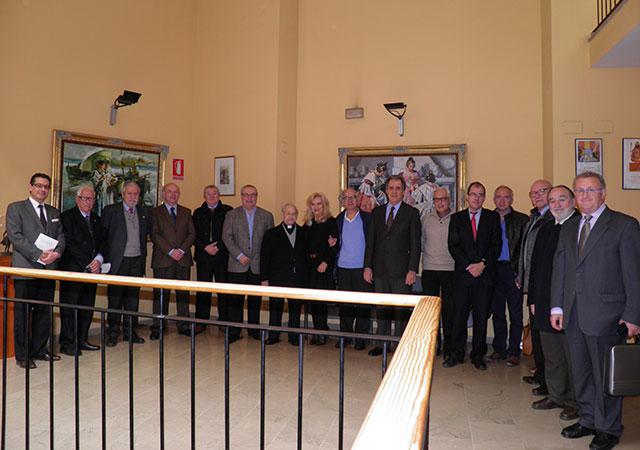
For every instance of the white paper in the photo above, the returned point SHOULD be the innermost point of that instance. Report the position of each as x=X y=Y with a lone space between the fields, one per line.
x=45 y=242
x=105 y=268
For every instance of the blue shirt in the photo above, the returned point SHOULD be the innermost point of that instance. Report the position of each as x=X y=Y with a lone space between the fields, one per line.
x=504 y=253
x=352 y=244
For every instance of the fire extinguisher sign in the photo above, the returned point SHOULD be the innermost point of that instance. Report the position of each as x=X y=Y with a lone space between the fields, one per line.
x=178 y=169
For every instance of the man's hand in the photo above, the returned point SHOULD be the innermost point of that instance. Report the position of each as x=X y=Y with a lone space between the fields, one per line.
x=95 y=266
x=476 y=269
x=556 y=321
x=49 y=256
x=244 y=260
x=332 y=241
x=634 y=330
x=322 y=267
x=410 y=278
x=532 y=308
x=212 y=248
x=265 y=283
x=176 y=254
x=368 y=275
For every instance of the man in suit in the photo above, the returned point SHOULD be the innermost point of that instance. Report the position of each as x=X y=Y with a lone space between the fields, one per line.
x=283 y=262
x=210 y=252
x=474 y=243
x=83 y=244
x=26 y=221
x=127 y=226
x=242 y=233
x=595 y=290
x=173 y=235
x=392 y=255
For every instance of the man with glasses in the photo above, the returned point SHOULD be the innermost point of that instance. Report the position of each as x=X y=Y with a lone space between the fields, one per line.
x=83 y=238
x=27 y=220
x=595 y=298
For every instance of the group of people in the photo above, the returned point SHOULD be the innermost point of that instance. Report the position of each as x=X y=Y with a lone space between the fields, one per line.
x=575 y=260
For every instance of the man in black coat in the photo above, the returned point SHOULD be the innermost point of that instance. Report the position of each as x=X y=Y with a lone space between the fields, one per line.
x=283 y=262
x=474 y=243
x=83 y=237
x=211 y=255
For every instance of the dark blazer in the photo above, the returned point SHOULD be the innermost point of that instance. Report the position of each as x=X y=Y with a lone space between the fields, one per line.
x=24 y=227
x=280 y=263
x=531 y=231
x=166 y=236
x=115 y=233
x=81 y=246
x=486 y=247
x=208 y=227
x=516 y=226
x=602 y=285
x=397 y=252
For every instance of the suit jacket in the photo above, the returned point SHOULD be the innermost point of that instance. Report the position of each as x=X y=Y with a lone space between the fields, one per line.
x=465 y=250
x=166 y=235
x=601 y=286
x=280 y=263
x=115 y=233
x=81 y=245
x=208 y=227
x=531 y=231
x=235 y=235
x=24 y=227
x=397 y=252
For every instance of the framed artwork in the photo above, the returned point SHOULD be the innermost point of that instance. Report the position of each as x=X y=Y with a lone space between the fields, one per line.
x=424 y=169
x=225 y=174
x=588 y=154
x=631 y=163
x=107 y=163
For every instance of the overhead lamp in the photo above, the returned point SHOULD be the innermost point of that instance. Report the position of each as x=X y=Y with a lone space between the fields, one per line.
x=127 y=98
x=397 y=110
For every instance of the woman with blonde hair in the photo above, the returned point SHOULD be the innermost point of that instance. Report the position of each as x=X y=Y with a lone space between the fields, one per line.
x=319 y=226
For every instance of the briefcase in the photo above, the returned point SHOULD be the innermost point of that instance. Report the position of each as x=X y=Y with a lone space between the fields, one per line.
x=622 y=370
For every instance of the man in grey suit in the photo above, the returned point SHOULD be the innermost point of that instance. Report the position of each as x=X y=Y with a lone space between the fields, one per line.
x=26 y=220
x=242 y=234
x=595 y=290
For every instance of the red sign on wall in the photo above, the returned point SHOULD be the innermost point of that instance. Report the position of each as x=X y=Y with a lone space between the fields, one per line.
x=178 y=169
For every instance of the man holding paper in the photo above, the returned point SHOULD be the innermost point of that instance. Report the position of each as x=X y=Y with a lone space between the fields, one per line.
x=35 y=231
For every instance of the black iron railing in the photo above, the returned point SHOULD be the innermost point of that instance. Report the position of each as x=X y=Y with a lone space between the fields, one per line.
x=605 y=9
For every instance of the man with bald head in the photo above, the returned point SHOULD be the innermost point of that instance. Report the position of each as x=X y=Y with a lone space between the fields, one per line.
x=173 y=235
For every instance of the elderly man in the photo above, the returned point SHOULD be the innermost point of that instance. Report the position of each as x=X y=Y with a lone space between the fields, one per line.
x=352 y=231
x=172 y=235
x=83 y=237
x=437 y=262
x=595 y=298
x=26 y=221
x=127 y=226
x=505 y=290
x=242 y=233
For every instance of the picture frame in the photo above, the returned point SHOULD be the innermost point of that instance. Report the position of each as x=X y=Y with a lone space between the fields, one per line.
x=589 y=155
x=631 y=163
x=107 y=163
x=433 y=166
x=225 y=174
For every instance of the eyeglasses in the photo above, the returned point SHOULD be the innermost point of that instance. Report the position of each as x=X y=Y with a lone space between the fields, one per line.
x=589 y=190
x=244 y=194
x=46 y=187
x=86 y=199
x=441 y=199
x=538 y=192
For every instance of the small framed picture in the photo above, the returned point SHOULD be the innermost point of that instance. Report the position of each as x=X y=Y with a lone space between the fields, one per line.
x=588 y=154
x=225 y=174
x=631 y=163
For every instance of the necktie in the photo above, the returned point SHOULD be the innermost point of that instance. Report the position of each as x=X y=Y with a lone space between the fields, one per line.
x=130 y=210
x=43 y=219
x=584 y=234
x=390 y=219
x=173 y=214
x=88 y=220
x=474 y=225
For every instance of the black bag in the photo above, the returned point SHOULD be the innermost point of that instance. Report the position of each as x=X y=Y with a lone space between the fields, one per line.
x=622 y=370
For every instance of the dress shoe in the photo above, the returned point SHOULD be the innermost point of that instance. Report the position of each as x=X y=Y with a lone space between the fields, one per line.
x=135 y=338
x=200 y=328
x=576 y=431
x=513 y=361
x=321 y=340
x=569 y=413
x=347 y=342
x=234 y=338
x=545 y=403
x=480 y=365
x=530 y=380
x=603 y=441
x=375 y=351
x=47 y=357
x=450 y=362
x=271 y=341
x=254 y=334
x=24 y=364
x=112 y=341
x=69 y=351
x=293 y=342
x=540 y=391
x=495 y=356
x=359 y=345
x=184 y=331
x=154 y=336
x=89 y=346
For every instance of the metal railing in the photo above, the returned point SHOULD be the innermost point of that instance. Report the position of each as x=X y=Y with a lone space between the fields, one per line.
x=414 y=355
x=605 y=9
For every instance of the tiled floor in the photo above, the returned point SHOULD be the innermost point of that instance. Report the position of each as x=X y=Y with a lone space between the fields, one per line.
x=470 y=409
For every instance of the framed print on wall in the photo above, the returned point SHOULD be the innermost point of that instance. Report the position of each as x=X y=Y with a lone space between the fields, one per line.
x=225 y=174
x=107 y=163
x=631 y=163
x=588 y=155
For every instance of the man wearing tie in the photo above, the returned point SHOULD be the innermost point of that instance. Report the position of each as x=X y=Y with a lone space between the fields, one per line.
x=595 y=298
x=83 y=238
x=26 y=221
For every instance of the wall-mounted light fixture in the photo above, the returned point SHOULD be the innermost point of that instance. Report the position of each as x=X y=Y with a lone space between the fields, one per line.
x=127 y=98
x=397 y=110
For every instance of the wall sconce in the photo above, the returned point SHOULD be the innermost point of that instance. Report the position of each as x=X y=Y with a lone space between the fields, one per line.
x=127 y=98
x=397 y=110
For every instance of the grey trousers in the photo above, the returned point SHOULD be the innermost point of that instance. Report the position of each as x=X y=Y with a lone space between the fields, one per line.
x=557 y=368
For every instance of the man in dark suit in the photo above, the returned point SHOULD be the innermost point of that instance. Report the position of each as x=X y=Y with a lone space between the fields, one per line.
x=210 y=252
x=127 y=226
x=474 y=243
x=26 y=221
x=173 y=235
x=595 y=290
x=283 y=262
x=392 y=255
x=83 y=238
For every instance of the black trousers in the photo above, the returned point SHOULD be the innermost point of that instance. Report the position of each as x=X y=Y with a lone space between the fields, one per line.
x=386 y=314
x=235 y=304
x=440 y=283
x=538 y=354
x=475 y=298
x=295 y=307
x=173 y=272
x=354 y=317
x=32 y=289
x=124 y=297
x=318 y=310
x=506 y=294
x=207 y=271
x=74 y=293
